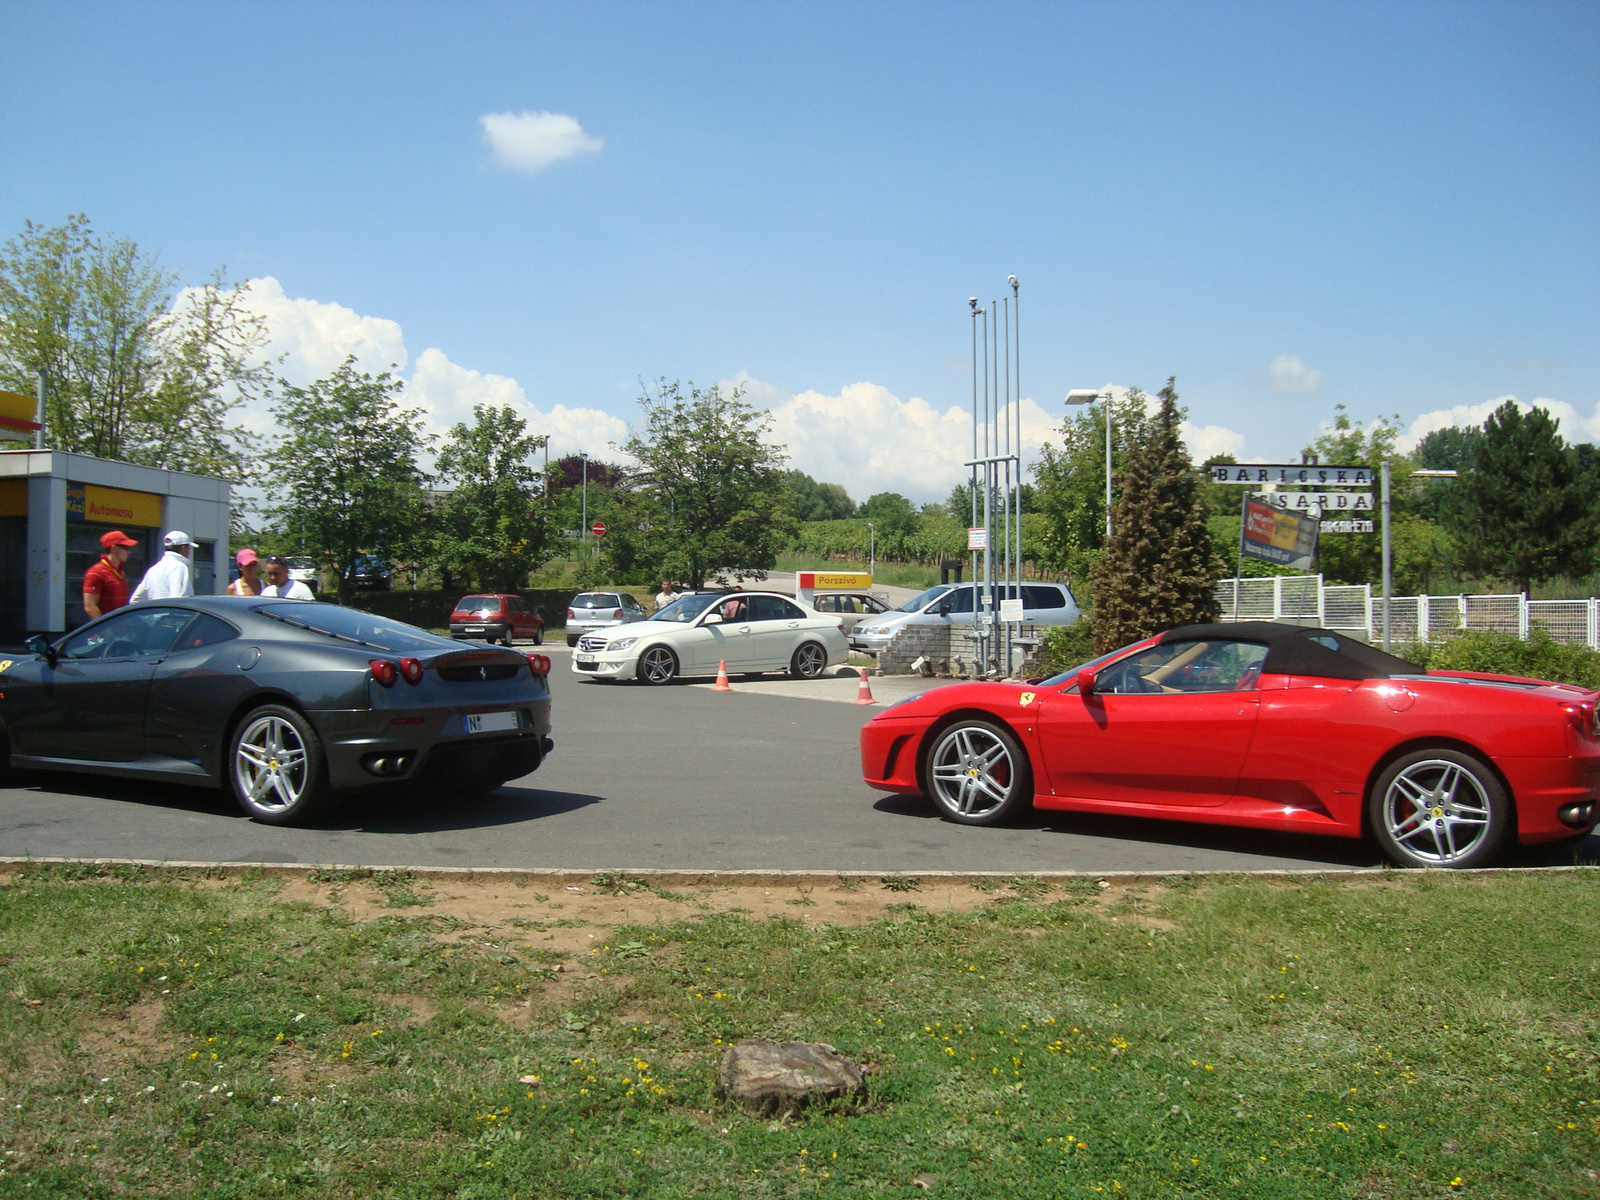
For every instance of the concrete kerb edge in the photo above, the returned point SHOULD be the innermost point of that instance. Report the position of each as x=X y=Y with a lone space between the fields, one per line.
x=752 y=878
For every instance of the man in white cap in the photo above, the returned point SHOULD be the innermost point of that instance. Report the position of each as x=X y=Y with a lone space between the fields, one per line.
x=170 y=576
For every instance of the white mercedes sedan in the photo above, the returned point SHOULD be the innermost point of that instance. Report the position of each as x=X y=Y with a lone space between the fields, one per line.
x=750 y=631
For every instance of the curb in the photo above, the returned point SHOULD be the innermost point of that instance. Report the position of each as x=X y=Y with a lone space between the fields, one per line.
x=761 y=878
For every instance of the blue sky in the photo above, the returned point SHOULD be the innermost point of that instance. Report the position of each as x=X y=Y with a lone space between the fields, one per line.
x=1395 y=206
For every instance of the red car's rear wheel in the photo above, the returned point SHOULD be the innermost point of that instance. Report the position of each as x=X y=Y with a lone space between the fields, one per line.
x=1439 y=808
x=977 y=772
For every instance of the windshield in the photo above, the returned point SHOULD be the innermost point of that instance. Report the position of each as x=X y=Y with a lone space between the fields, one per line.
x=352 y=625
x=1067 y=675
x=687 y=609
x=918 y=603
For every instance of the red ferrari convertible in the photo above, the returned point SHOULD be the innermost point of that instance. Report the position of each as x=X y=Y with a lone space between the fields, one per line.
x=1264 y=725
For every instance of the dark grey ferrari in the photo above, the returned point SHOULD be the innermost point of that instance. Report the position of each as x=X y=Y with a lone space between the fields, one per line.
x=286 y=703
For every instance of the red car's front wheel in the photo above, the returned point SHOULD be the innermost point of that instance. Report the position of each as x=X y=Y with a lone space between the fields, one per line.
x=977 y=772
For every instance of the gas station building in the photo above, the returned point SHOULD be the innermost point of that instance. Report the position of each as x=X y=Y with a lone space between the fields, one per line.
x=53 y=508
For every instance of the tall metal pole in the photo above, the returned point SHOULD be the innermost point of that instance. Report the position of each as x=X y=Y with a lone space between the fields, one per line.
x=1016 y=527
x=983 y=592
x=972 y=495
x=583 y=525
x=38 y=434
x=1387 y=560
x=1107 y=407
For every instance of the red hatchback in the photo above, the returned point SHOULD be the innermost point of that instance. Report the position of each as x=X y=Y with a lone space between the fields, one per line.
x=497 y=618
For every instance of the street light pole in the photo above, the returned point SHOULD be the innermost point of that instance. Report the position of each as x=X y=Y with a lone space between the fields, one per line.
x=583 y=527
x=1089 y=396
x=872 y=548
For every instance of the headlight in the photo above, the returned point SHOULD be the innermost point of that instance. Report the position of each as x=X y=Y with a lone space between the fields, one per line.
x=620 y=644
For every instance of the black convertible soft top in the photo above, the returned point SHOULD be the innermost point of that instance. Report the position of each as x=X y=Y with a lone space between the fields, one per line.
x=1303 y=650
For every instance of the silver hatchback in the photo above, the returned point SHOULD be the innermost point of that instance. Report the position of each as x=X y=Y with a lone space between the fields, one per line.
x=600 y=610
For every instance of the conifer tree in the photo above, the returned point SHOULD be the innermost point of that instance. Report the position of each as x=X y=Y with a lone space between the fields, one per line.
x=1161 y=566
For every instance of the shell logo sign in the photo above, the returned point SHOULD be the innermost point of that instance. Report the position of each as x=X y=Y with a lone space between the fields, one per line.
x=17 y=412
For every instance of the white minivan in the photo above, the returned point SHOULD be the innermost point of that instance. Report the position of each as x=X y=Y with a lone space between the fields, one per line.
x=951 y=604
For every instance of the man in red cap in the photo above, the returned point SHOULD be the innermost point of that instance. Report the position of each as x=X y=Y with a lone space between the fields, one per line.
x=105 y=587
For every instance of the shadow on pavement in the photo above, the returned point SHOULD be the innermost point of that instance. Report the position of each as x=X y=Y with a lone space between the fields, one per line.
x=364 y=812
x=1330 y=851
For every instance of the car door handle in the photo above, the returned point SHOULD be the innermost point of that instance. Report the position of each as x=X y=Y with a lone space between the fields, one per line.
x=745 y=629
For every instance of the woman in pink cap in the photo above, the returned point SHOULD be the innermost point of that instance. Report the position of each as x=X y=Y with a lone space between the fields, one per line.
x=248 y=583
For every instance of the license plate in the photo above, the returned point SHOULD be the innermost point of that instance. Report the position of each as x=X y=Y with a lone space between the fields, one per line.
x=474 y=628
x=588 y=658
x=488 y=722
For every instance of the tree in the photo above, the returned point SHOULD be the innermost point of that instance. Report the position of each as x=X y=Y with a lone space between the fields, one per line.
x=1447 y=449
x=346 y=469
x=1522 y=511
x=130 y=372
x=812 y=501
x=572 y=470
x=1358 y=557
x=489 y=526
x=1161 y=566
x=715 y=500
x=1070 y=482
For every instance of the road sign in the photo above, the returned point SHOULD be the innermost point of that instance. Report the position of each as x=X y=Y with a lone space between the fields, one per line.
x=1315 y=502
x=1256 y=474
x=978 y=538
x=598 y=529
x=1349 y=526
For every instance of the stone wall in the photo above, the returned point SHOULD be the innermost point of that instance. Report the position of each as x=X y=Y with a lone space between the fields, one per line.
x=951 y=650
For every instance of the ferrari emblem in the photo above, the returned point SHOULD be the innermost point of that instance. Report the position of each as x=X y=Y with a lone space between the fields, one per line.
x=1027 y=698
x=973 y=772
x=1437 y=811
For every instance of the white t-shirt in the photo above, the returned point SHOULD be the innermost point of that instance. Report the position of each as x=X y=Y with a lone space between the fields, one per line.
x=169 y=577
x=291 y=589
x=665 y=598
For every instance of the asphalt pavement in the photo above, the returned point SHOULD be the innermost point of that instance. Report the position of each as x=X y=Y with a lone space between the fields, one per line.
x=765 y=777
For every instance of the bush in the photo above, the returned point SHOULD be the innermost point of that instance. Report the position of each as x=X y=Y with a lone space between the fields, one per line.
x=1539 y=657
x=430 y=608
x=1068 y=645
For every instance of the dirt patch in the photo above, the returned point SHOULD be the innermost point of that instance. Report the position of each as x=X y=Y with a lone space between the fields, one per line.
x=129 y=1037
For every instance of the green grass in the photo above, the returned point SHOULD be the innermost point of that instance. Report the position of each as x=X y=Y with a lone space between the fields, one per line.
x=1396 y=1036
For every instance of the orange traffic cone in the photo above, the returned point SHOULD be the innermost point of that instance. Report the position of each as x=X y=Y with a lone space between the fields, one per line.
x=721 y=685
x=864 y=692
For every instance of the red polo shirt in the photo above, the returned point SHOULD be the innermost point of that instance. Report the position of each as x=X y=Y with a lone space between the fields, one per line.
x=108 y=582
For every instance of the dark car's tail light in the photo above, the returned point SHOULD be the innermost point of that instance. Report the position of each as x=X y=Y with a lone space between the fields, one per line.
x=384 y=671
x=539 y=664
x=411 y=669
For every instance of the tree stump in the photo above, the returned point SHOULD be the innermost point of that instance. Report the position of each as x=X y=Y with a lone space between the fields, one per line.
x=780 y=1077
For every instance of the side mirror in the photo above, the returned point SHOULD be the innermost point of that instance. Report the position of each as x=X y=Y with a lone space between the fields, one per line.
x=944 y=608
x=1085 y=681
x=40 y=645
x=712 y=619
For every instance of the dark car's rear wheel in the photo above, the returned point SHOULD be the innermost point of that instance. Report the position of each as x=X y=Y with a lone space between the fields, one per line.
x=657 y=665
x=538 y=636
x=808 y=662
x=977 y=772
x=276 y=767
x=1439 y=807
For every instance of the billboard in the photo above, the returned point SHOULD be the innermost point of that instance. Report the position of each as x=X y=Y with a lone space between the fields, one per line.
x=1276 y=536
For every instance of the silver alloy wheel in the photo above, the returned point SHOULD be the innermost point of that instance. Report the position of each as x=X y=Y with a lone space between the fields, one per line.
x=1436 y=811
x=269 y=764
x=971 y=771
x=810 y=661
x=657 y=665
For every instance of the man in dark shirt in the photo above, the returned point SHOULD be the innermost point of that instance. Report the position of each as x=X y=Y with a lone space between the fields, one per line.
x=105 y=587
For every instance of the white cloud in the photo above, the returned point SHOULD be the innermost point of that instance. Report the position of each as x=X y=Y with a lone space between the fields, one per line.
x=1574 y=426
x=1288 y=375
x=531 y=141
x=870 y=440
x=317 y=336
x=446 y=392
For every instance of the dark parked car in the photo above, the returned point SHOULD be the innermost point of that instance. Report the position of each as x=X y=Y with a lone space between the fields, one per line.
x=284 y=703
x=496 y=618
x=371 y=574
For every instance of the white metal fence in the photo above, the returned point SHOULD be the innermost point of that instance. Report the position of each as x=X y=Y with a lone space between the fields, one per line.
x=1353 y=608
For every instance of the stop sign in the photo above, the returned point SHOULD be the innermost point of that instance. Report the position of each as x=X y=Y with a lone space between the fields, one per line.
x=598 y=529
